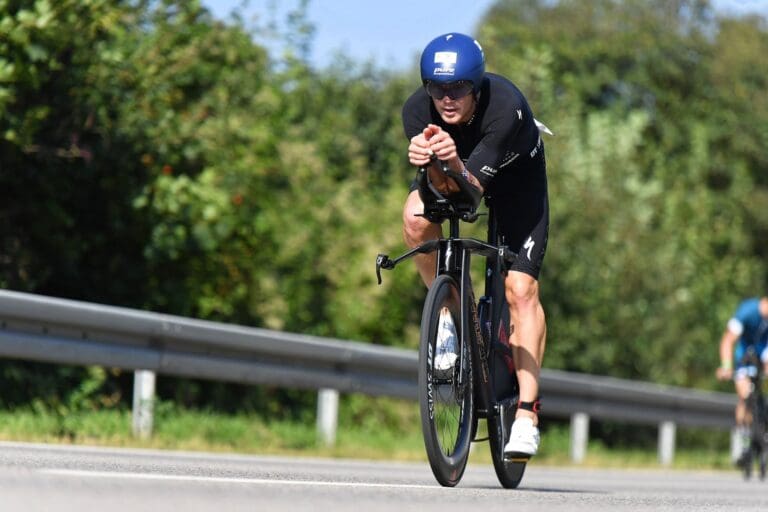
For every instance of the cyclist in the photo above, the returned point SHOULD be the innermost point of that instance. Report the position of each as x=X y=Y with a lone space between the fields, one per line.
x=482 y=126
x=748 y=326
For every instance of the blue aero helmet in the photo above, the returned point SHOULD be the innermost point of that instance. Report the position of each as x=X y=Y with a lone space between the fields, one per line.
x=453 y=57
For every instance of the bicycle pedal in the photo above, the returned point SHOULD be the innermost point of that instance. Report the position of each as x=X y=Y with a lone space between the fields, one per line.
x=517 y=457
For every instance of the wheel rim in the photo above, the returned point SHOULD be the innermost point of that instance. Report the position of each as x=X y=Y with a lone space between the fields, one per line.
x=449 y=393
x=446 y=396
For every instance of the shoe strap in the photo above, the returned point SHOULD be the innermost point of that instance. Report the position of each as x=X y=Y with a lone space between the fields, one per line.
x=534 y=406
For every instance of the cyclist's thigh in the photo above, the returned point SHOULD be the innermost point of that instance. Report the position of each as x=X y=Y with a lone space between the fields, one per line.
x=413 y=206
x=519 y=198
x=413 y=210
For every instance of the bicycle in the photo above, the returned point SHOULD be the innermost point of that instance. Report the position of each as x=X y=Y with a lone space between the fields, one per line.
x=756 y=451
x=482 y=382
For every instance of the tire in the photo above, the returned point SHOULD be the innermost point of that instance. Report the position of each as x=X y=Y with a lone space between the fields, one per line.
x=747 y=465
x=446 y=401
x=509 y=471
x=760 y=437
x=755 y=455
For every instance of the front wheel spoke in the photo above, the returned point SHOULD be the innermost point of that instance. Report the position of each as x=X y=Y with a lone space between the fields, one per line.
x=449 y=436
x=447 y=416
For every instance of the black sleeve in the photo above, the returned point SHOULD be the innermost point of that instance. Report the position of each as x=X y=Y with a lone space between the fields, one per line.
x=508 y=132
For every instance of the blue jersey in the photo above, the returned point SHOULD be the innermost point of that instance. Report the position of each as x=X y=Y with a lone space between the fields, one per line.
x=752 y=329
x=748 y=324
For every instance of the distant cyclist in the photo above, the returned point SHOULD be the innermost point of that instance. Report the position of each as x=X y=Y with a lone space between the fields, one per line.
x=748 y=326
x=482 y=126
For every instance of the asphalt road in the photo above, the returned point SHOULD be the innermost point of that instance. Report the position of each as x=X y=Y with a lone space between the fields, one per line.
x=36 y=477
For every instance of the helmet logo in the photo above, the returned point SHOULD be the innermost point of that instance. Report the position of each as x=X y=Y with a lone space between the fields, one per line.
x=446 y=63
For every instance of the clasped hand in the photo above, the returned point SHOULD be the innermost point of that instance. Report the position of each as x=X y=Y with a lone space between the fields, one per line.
x=433 y=140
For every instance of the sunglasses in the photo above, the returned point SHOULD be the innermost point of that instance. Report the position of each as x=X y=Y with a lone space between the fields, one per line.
x=453 y=90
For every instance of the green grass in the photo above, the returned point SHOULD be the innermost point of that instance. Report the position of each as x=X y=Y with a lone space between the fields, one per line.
x=391 y=433
x=368 y=429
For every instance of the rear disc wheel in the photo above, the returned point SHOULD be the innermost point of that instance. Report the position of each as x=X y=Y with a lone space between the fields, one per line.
x=509 y=471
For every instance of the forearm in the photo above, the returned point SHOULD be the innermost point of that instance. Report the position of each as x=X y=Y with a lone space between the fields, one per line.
x=726 y=349
x=458 y=166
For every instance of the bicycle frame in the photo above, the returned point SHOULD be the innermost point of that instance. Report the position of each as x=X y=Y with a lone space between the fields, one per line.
x=495 y=294
x=752 y=361
x=484 y=335
x=454 y=258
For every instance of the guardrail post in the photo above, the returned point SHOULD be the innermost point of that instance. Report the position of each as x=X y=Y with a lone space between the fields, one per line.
x=327 y=415
x=667 y=431
x=579 y=436
x=143 y=401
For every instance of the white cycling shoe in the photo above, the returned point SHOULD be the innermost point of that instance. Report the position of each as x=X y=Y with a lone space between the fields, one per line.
x=524 y=438
x=445 y=356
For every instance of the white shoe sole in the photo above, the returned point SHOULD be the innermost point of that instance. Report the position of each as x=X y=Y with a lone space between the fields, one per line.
x=521 y=449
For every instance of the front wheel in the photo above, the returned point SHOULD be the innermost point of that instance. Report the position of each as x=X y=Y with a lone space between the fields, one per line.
x=445 y=391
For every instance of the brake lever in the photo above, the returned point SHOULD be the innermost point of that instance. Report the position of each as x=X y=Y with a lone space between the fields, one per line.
x=383 y=261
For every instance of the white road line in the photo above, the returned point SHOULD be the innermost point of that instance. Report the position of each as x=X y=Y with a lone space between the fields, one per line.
x=191 y=478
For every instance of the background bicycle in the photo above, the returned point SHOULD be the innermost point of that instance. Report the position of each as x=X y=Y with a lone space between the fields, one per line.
x=756 y=446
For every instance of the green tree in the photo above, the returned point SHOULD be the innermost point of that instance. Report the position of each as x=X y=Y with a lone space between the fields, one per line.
x=61 y=198
x=652 y=235
x=154 y=157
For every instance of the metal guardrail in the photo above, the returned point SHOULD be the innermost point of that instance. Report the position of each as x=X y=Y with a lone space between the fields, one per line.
x=635 y=402
x=40 y=328
x=63 y=331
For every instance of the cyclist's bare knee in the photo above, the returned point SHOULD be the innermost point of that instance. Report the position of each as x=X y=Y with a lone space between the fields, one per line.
x=522 y=290
x=743 y=388
x=417 y=229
